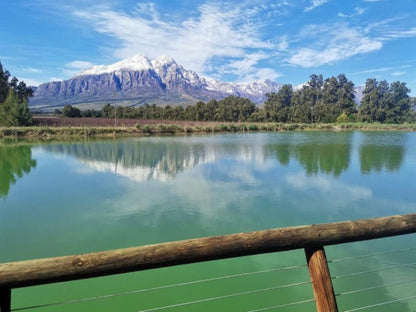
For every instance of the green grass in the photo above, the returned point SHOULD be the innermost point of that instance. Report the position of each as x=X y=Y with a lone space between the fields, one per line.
x=140 y=129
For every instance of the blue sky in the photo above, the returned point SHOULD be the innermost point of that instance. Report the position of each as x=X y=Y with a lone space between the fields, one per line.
x=285 y=41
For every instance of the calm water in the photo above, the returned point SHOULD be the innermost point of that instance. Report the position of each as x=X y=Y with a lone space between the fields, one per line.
x=75 y=197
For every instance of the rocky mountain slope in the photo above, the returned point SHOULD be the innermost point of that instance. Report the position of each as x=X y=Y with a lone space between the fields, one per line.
x=138 y=80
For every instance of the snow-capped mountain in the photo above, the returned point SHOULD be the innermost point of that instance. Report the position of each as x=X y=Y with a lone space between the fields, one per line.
x=138 y=80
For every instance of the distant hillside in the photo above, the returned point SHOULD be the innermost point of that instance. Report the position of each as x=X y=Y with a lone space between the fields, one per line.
x=138 y=80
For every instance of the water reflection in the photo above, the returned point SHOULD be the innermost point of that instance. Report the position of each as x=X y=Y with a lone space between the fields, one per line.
x=376 y=155
x=15 y=161
x=139 y=160
x=317 y=154
x=212 y=185
x=163 y=158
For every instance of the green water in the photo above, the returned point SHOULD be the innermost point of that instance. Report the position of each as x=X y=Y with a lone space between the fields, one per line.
x=66 y=198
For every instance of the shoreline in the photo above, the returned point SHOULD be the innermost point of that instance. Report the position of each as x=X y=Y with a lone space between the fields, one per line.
x=180 y=128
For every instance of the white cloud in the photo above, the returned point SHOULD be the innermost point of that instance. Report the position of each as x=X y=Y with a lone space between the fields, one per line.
x=216 y=31
x=247 y=68
x=79 y=65
x=55 y=79
x=382 y=69
x=322 y=44
x=398 y=73
x=334 y=190
x=283 y=45
x=314 y=4
x=339 y=43
x=74 y=67
x=401 y=33
x=30 y=82
x=31 y=70
x=359 y=11
x=262 y=74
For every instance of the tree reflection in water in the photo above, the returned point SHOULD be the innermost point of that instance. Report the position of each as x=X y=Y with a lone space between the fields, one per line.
x=15 y=161
x=315 y=153
x=376 y=155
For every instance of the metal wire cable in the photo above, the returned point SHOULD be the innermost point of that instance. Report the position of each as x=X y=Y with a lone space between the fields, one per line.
x=249 y=292
x=371 y=255
x=375 y=270
x=283 y=305
x=158 y=288
x=381 y=303
x=253 y=291
x=374 y=287
x=388 y=261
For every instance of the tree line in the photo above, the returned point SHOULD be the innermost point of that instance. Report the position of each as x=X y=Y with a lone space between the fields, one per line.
x=333 y=100
x=319 y=100
x=14 y=110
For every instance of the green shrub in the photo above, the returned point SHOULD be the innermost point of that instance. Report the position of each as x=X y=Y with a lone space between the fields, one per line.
x=343 y=118
x=224 y=127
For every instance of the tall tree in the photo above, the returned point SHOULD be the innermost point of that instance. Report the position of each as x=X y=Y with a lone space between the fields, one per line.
x=337 y=98
x=385 y=103
x=14 y=111
x=325 y=109
x=302 y=107
x=4 y=83
x=345 y=96
x=370 y=101
x=313 y=91
x=70 y=111
x=399 y=103
x=277 y=104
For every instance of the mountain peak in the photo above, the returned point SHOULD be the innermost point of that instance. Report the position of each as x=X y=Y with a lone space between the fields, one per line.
x=138 y=79
x=138 y=61
x=163 y=60
x=135 y=63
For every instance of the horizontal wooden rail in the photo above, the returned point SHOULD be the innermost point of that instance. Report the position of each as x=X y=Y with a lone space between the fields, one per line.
x=49 y=270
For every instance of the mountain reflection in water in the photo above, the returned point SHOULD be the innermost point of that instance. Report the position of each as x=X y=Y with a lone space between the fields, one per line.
x=162 y=158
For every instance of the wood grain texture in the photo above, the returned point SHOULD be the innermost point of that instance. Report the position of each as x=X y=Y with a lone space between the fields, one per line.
x=323 y=290
x=42 y=271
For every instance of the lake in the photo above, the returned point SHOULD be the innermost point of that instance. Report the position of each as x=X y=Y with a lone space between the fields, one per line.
x=62 y=198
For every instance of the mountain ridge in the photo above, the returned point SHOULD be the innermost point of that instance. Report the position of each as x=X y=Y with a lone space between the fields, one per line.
x=138 y=80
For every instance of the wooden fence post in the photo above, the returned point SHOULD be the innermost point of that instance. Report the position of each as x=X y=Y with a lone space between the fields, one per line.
x=5 y=299
x=323 y=290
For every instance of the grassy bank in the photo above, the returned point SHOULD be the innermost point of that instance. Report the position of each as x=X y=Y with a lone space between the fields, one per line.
x=172 y=128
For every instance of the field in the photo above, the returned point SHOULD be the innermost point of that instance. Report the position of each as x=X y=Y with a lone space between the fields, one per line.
x=55 y=127
x=49 y=121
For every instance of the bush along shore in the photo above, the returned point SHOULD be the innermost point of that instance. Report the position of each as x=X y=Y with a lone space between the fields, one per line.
x=179 y=128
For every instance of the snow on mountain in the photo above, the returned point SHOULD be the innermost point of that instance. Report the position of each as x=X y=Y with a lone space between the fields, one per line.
x=167 y=68
x=135 y=63
x=255 y=90
x=138 y=80
x=163 y=62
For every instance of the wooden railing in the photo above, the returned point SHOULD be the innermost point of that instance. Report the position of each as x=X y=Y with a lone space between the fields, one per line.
x=312 y=238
